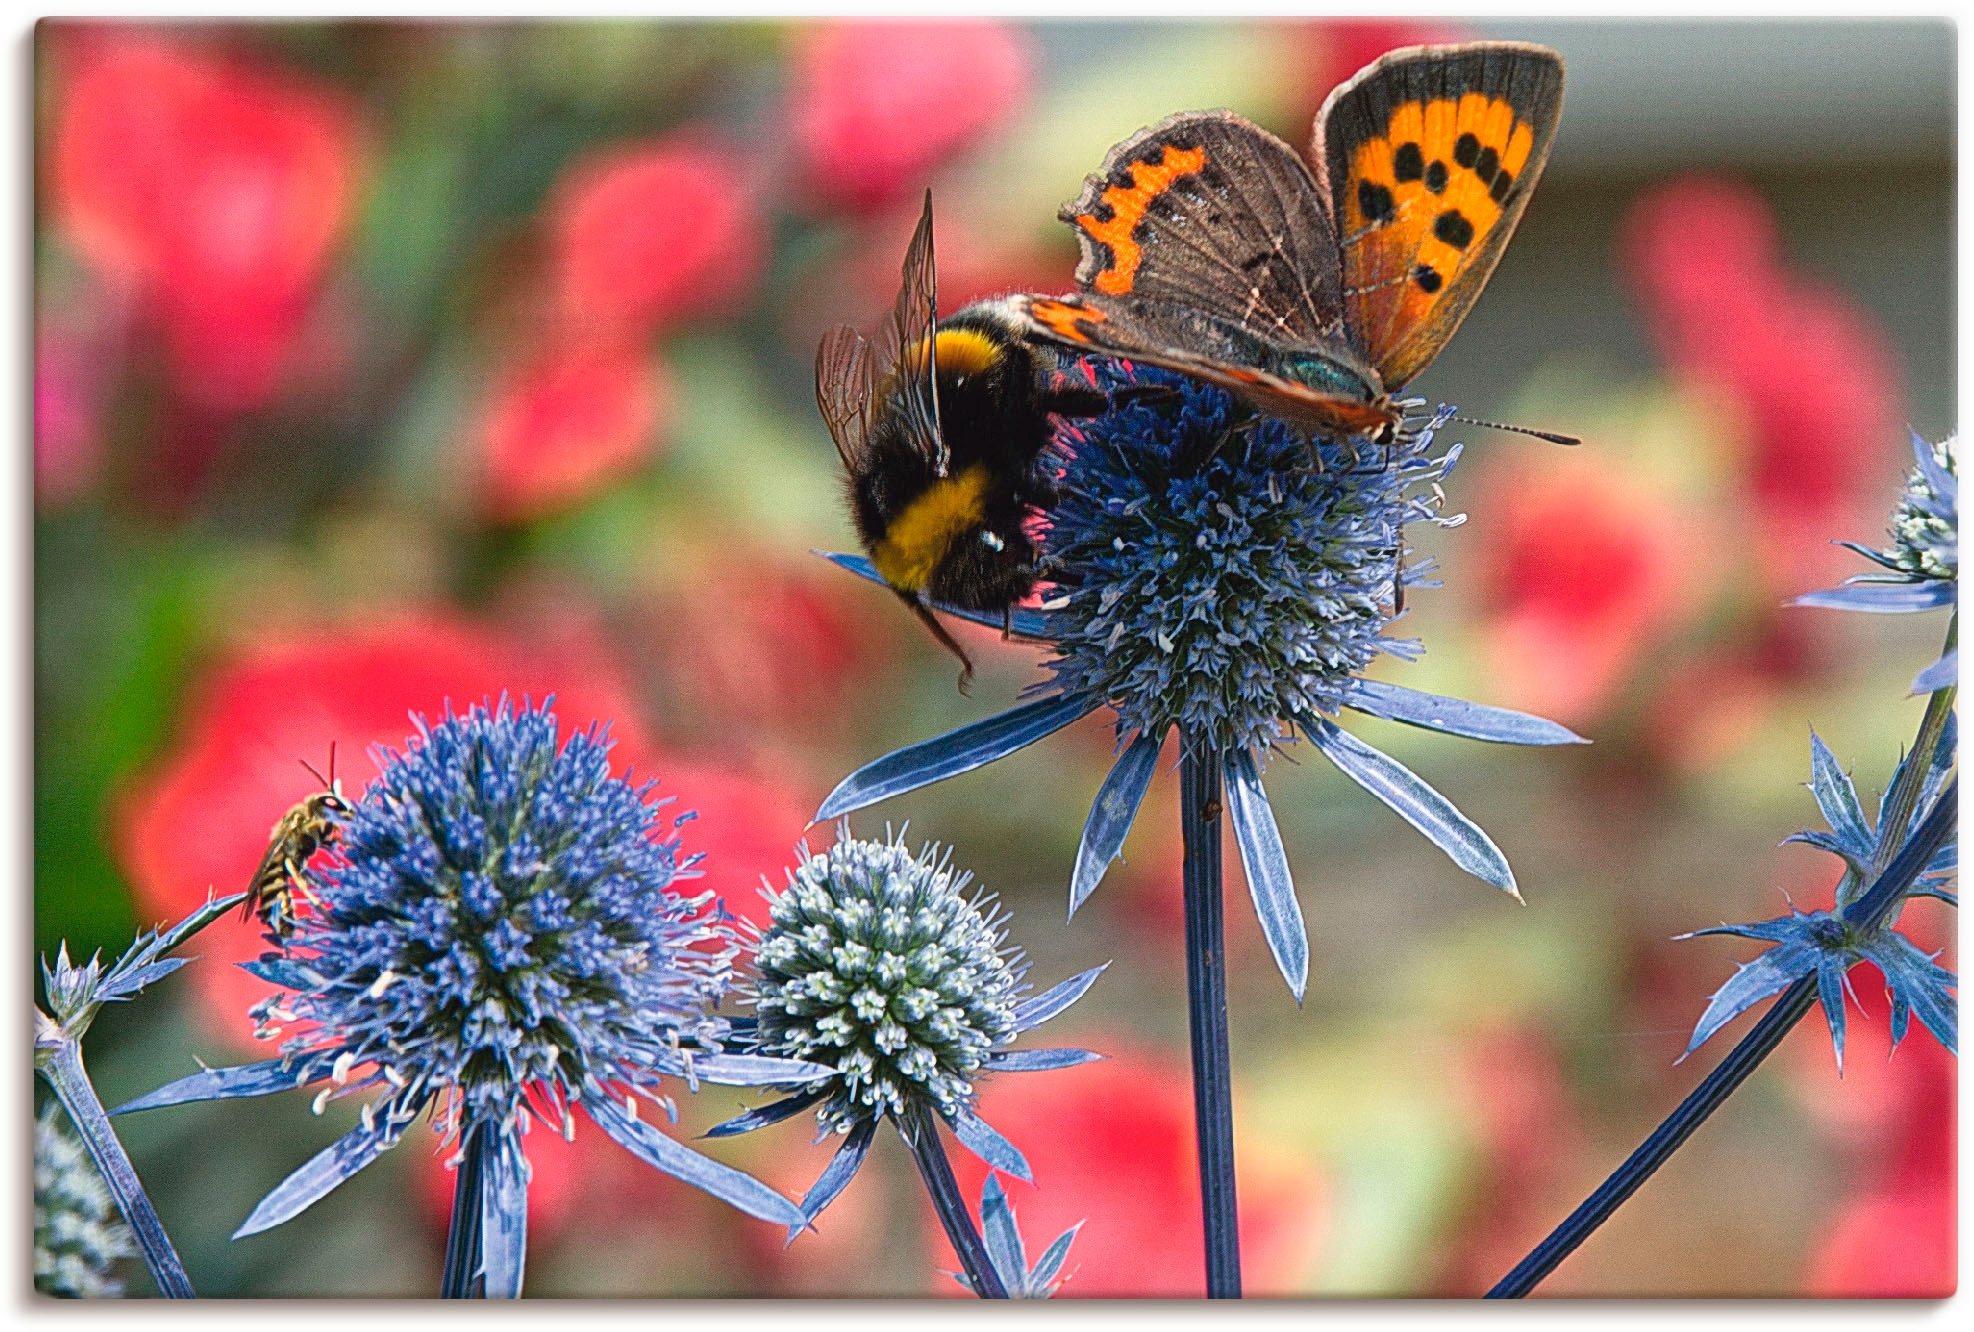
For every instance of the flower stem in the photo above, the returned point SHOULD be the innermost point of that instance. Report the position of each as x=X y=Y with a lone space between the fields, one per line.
x=465 y=1276
x=921 y=1133
x=1206 y=1002
x=1905 y=795
x=60 y=1062
x=1785 y=1013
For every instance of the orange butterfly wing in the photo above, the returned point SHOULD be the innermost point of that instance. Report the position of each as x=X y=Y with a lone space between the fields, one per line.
x=1429 y=157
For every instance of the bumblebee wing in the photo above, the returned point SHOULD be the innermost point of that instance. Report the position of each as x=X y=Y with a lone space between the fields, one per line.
x=844 y=385
x=908 y=344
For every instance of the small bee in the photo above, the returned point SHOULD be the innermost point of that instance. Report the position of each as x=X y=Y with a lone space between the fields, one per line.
x=943 y=427
x=305 y=829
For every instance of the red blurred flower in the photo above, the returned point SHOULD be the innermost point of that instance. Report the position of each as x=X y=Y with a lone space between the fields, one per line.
x=1589 y=567
x=651 y=233
x=1813 y=376
x=876 y=106
x=200 y=820
x=1895 y=1236
x=559 y=426
x=1112 y=1144
x=68 y=443
x=759 y=643
x=219 y=188
x=747 y=830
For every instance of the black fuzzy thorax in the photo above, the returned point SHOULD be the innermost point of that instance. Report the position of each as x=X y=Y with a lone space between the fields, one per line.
x=996 y=417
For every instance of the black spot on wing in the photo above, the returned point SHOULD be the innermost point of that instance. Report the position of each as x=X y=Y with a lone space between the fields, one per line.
x=1467 y=151
x=1436 y=177
x=1428 y=278
x=1374 y=201
x=1453 y=227
x=1408 y=163
x=1487 y=166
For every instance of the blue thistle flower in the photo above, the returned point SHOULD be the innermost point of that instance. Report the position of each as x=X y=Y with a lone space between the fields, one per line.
x=78 y=1237
x=1220 y=573
x=878 y=965
x=1922 y=563
x=1825 y=942
x=501 y=939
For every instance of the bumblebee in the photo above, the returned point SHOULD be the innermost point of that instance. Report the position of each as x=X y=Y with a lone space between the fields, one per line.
x=944 y=427
x=305 y=829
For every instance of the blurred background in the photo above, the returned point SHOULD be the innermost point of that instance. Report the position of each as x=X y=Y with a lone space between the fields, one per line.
x=380 y=365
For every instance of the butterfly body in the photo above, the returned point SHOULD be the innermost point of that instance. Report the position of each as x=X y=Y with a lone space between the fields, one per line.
x=1210 y=247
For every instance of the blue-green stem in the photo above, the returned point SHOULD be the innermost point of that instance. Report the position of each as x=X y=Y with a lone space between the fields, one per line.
x=58 y=1058
x=1885 y=892
x=464 y=1276
x=1200 y=787
x=921 y=1133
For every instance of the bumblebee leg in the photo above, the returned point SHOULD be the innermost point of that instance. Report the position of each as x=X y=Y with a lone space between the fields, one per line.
x=938 y=631
x=1073 y=400
x=1144 y=395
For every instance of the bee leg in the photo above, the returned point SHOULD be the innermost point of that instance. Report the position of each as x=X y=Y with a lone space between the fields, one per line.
x=1144 y=395
x=938 y=631
x=1073 y=400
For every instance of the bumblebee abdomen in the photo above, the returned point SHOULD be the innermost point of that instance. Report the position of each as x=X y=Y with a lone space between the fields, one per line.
x=925 y=529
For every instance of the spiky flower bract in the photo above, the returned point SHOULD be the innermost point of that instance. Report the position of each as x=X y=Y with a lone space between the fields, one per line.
x=78 y=1237
x=1219 y=572
x=1921 y=565
x=878 y=964
x=499 y=938
x=1827 y=942
x=1009 y=1253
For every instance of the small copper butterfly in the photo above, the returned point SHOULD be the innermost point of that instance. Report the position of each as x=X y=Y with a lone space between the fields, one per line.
x=1210 y=248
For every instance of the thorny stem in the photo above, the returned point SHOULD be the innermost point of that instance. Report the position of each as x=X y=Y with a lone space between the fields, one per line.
x=465 y=1276
x=921 y=1133
x=60 y=1062
x=1206 y=1004
x=1784 y=1014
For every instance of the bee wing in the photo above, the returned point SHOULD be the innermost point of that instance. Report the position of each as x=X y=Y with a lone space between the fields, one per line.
x=844 y=385
x=909 y=341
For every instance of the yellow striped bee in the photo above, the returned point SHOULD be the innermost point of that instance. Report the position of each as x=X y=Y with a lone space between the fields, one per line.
x=942 y=426
x=305 y=829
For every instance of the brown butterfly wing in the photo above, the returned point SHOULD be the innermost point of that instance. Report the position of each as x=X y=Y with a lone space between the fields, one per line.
x=1429 y=157
x=1207 y=211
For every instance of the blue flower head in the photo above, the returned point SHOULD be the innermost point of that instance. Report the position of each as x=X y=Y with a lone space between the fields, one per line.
x=500 y=938
x=1920 y=569
x=1218 y=572
x=879 y=965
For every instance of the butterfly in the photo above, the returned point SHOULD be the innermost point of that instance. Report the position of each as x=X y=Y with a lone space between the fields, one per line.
x=1209 y=247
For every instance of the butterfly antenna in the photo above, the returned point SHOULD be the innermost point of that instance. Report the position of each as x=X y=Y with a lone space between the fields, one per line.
x=1517 y=430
